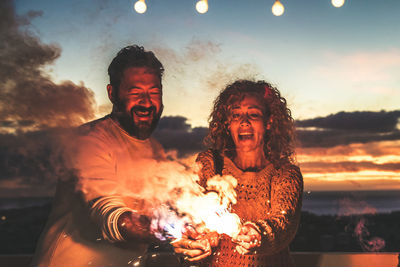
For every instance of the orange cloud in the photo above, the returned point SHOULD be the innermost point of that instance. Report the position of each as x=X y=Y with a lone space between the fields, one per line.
x=371 y=166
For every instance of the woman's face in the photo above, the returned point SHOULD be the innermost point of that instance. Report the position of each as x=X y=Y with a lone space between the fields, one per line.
x=247 y=123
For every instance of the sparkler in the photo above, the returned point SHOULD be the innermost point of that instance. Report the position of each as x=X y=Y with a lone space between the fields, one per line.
x=169 y=193
x=210 y=211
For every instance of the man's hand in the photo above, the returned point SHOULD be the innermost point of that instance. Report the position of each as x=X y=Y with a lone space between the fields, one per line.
x=248 y=239
x=196 y=244
x=192 y=250
x=135 y=226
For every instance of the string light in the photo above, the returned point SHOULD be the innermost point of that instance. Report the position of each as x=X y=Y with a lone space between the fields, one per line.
x=202 y=6
x=278 y=8
x=338 y=3
x=140 y=6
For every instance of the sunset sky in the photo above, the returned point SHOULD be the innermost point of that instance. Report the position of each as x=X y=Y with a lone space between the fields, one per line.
x=338 y=68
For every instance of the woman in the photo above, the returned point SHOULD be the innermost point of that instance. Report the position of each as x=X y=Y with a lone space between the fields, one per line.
x=251 y=137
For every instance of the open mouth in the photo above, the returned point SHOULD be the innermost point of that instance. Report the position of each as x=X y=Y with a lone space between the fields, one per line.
x=245 y=136
x=143 y=112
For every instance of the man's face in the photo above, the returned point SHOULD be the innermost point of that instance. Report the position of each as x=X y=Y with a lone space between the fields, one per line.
x=246 y=124
x=138 y=101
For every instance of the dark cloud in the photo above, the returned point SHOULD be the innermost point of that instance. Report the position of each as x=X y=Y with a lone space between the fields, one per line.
x=176 y=123
x=174 y=133
x=349 y=127
x=330 y=138
x=27 y=93
x=347 y=166
x=33 y=160
x=380 y=122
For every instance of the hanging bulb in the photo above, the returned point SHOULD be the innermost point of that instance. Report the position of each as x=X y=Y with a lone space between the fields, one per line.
x=140 y=6
x=338 y=3
x=278 y=8
x=202 y=6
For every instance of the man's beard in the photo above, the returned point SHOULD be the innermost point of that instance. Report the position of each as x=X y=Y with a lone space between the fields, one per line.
x=141 y=129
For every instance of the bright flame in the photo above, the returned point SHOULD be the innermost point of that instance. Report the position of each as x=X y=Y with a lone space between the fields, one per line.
x=338 y=3
x=140 y=6
x=202 y=6
x=278 y=8
x=209 y=210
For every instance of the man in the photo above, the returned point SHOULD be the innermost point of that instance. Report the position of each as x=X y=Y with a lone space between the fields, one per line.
x=95 y=220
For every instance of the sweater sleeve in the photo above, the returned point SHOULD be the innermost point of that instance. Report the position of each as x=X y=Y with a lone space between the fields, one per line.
x=106 y=211
x=207 y=169
x=280 y=226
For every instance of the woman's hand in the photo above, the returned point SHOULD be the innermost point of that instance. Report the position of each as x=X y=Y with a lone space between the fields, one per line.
x=249 y=238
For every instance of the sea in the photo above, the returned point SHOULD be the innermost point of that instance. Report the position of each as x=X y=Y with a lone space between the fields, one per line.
x=351 y=202
x=317 y=202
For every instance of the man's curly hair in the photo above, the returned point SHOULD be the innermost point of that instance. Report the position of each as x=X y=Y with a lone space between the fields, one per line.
x=279 y=137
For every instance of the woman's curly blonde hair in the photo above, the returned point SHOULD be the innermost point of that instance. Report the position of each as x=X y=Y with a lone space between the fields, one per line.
x=279 y=136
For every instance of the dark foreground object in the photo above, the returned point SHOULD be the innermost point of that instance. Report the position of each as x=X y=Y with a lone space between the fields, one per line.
x=20 y=230
x=301 y=260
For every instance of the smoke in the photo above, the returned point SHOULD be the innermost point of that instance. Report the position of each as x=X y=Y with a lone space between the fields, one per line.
x=201 y=59
x=225 y=74
x=35 y=112
x=200 y=50
x=351 y=207
x=367 y=243
x=171 y=192
x=31 y=163
x=29 y=99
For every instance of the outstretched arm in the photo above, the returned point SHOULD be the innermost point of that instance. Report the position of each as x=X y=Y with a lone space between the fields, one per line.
x=280 y=226
x=119 y=222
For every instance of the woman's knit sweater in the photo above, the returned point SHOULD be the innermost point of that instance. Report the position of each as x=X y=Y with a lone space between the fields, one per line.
x=269 y=198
